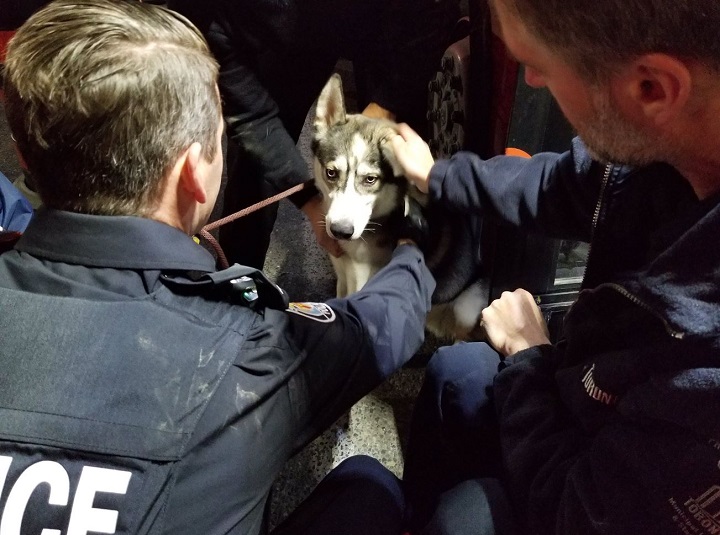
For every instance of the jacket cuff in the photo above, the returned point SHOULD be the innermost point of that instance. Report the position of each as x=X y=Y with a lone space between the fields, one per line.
x=436 y=179
x=544 y=350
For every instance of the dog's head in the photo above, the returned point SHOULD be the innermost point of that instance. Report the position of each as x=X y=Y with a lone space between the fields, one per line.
x=354 y=167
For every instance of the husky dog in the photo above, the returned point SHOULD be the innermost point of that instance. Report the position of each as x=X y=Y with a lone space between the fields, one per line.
x=364 y=192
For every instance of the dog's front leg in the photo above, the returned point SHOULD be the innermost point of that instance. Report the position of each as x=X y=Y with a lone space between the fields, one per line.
x=340 y=265
x=358 y=274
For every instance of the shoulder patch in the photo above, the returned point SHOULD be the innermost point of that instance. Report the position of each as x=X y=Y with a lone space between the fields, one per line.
x=315 y=311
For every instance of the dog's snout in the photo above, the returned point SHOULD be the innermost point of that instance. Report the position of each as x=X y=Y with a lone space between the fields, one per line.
x=342 y=230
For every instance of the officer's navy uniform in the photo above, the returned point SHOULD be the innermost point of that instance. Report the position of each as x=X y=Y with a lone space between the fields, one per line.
x=139 y=395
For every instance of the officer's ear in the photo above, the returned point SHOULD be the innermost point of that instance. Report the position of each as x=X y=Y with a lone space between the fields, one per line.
x=192 y=179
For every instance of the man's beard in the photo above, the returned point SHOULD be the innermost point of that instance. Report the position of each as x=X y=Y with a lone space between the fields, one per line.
x=609 y=137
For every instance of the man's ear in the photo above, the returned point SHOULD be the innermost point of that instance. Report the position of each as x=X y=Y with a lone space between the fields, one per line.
x=192 y=180
x=658 y=86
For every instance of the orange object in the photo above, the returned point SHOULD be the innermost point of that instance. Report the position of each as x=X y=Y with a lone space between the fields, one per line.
x=512 y=151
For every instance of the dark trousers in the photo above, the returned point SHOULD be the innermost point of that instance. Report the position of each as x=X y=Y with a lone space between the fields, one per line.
x=453 y=466
x=359 y=497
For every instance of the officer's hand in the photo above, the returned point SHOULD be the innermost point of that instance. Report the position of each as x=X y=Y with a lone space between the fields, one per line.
x=413 y=155
x=514 y=322
x=413 y=225
x=314 y=212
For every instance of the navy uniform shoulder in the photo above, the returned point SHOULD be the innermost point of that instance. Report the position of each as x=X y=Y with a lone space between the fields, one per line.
x=237 y=284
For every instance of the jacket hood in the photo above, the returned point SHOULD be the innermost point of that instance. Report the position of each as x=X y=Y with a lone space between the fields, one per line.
x=682 y=283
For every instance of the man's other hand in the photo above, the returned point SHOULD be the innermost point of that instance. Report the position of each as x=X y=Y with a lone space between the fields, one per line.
x=514 y=322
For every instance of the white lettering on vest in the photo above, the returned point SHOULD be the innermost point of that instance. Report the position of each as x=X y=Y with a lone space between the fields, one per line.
x=84 y=517
x=4 y=467
x=48 y=472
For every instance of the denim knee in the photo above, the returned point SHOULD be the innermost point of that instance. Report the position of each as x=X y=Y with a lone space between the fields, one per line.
x=454 y=363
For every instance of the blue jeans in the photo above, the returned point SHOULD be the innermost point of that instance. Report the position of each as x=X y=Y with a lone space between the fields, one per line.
x=453 y=465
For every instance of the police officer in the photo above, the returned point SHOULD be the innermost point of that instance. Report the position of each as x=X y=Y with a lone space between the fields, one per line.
x=142 y=391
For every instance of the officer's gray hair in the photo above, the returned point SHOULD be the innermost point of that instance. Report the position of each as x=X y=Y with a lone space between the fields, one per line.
x=598 y=36
x=103 y=96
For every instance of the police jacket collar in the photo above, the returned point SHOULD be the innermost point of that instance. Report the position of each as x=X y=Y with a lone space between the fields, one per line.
x=123 y=242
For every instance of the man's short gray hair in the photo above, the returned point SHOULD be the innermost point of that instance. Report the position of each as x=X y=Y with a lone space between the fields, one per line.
x=596 y=36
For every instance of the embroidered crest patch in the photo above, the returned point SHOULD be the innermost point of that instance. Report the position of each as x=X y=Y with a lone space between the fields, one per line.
x=315 y=311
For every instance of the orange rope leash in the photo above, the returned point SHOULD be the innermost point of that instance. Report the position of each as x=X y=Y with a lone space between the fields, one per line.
x=205 y=231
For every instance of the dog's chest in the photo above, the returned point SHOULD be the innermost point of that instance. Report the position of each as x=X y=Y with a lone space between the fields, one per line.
x=368 y=250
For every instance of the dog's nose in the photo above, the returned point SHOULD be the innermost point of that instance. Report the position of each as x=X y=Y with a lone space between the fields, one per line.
x=342 y=231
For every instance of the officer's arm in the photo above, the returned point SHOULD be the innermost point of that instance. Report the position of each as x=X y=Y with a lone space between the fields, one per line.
x=361 y=340
x=392 y=308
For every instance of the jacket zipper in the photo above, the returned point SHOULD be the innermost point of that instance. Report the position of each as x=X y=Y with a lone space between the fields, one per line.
x=678 y=335
x=596 y=215
x=621 y=290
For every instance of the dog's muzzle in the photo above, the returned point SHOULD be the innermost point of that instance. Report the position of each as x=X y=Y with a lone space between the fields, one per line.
x=341 y=230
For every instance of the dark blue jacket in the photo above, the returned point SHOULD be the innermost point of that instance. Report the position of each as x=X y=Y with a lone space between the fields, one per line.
x=125 y=390
x=615 y=429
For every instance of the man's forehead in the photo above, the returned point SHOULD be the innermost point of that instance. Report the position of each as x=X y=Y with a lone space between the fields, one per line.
x=496 y=7
x=495 y=23
x=493 y=5
x=508 y=26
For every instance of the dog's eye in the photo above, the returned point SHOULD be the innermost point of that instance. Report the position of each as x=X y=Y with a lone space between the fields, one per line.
x=371 y=179
x=331 y=174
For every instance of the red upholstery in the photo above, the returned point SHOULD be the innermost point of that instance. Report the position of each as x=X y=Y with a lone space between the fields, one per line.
x=4 y=38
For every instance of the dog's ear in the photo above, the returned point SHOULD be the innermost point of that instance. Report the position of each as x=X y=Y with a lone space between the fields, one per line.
x=330 y=108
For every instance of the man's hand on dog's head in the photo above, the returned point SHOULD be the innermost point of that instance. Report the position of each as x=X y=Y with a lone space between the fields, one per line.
x=413 y=155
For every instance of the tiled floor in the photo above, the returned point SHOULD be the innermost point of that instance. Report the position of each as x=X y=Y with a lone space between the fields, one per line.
x=377 y=426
